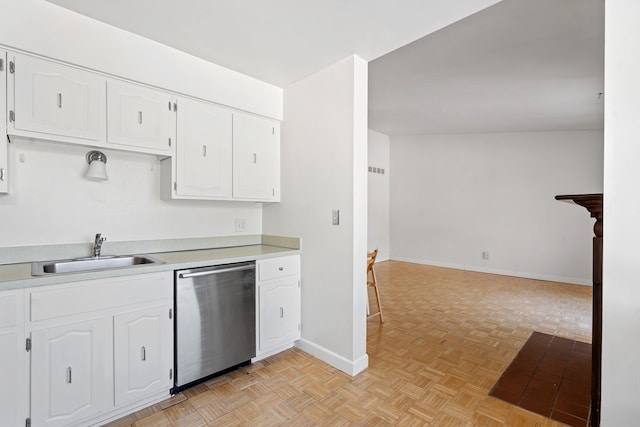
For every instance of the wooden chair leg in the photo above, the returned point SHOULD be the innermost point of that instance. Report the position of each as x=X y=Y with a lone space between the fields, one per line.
x=379 y=305
x=374 y=284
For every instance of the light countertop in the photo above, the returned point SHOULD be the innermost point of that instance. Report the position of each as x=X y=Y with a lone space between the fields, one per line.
x=18 y=276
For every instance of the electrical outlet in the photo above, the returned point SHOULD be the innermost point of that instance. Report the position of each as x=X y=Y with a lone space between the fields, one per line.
x=241 y=225
x=485 y=255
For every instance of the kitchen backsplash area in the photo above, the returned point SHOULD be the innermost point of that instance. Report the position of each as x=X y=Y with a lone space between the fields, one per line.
x=51 y=203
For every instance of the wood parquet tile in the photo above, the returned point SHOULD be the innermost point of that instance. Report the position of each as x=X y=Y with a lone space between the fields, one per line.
x=447 y=337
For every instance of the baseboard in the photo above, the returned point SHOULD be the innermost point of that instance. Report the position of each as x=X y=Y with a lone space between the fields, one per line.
x=351 y=367
x=270 y=352
x=118 y=413
x=479 y=269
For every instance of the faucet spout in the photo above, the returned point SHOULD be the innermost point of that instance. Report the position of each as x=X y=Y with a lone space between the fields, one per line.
x=97 y=245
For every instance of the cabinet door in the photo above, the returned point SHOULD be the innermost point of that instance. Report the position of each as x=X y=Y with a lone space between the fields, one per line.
x=279 y=312
x=204 y=154
x=4 y=161
x=11 y=353
x=139 y=117
x=256 y=158
x=58 y=100
x=10 y=377
x=69 y=375
x=142 y=353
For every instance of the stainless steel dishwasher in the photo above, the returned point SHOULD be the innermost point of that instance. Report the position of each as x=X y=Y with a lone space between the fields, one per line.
x=215 y=320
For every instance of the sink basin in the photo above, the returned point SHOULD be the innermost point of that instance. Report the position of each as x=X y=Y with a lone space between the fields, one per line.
x=90 y=264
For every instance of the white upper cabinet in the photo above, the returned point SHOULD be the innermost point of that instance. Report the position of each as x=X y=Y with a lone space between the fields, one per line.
x=140 y=117
x=4 y=160
x=209 y=152
x=56 y=102
x=204 y=154
x=256 y=158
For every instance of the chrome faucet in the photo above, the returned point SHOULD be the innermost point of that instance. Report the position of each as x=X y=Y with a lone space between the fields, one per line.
x=97 y=245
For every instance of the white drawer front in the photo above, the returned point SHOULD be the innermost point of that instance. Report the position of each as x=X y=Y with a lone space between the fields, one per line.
x=279 y=267
x=99 y=294
x=8 y=310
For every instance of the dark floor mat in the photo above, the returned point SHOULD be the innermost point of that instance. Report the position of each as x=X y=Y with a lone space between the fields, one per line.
x=550 y=376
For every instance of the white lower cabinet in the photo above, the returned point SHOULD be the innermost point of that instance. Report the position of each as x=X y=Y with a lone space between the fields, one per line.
x=279 y=312
x=278 y=304
x=69 y=372
x=12 y=399
x=142 y=353
x=9 y=372
x=98 y=349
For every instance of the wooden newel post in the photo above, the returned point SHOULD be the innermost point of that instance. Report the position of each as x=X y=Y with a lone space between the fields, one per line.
x=593 y=203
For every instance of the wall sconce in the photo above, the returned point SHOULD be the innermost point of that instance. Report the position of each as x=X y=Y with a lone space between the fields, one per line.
x=97 y=170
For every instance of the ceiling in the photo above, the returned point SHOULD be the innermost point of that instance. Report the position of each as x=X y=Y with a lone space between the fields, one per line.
x=279 y=41
x=518 y=65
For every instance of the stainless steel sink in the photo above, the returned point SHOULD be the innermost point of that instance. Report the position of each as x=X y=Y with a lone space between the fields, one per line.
x=90 y=264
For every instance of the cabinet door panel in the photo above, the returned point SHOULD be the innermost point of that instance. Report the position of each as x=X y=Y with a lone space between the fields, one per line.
x=139 y=117
x=58 y=100
x=204 y=150
x=69 y=373
x=142 y=353
x=10 y=374
x=13 y=400
x=4 y=161
x=256 y=158
x=279 y=312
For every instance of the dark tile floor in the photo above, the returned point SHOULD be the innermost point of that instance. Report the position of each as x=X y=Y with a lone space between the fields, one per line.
x=550 y=376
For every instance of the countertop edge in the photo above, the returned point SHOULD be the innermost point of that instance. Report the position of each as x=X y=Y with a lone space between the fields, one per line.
x=18 y=276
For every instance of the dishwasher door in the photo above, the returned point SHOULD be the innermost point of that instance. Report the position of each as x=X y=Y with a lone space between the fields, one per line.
x=215 y=320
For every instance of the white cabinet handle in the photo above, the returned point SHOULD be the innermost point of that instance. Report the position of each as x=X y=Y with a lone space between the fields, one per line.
x=140 y=117
x=69 y=375
x=255 y=158
x=281 y=312
x=60 y=100
x=280 y=268
x=143 y=353
x=204 y=151
x=1 y=174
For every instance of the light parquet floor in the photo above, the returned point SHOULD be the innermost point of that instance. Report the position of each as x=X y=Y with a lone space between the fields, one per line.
x=447 y=337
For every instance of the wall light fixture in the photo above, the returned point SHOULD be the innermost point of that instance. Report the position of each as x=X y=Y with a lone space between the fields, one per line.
x=97 y=170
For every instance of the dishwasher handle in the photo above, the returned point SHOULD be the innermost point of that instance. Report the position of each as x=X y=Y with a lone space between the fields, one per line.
x=211 y=272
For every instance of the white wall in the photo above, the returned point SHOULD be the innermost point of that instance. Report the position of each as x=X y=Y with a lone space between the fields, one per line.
x=378 y=195
x=455 y=196
x=324 y=160
x=40 y=27
x=621 y=290
x=51 y=202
